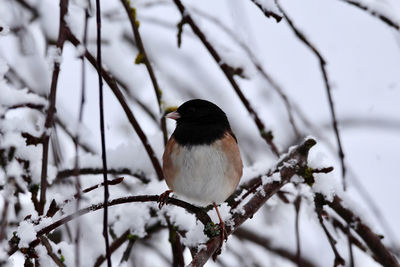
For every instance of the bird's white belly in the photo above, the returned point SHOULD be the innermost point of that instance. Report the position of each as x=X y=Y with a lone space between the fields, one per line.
x=202 y=177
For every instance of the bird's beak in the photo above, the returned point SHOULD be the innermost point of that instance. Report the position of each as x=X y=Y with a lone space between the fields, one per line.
x=173 y=115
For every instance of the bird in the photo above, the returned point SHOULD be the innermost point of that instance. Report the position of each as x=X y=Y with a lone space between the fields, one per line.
x=201 y=162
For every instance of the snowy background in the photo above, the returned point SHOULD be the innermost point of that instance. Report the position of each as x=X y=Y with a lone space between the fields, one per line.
x=363 y=63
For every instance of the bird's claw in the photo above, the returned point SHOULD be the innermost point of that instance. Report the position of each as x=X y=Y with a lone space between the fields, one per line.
x=224 y=233
x=163 y=199
x=223 y=236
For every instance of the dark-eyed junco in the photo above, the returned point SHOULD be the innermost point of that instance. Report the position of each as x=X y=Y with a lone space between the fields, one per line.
x=201 y=161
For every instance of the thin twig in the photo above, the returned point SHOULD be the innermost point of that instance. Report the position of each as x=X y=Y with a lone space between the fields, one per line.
x=227 y=70
x=201 y=215
x=133 y=98
x=54 y=208
x=59 y=122
x=50 y=252
x=76 y=141
x=118 y=94
x=297 y=204
x=33 y=10
x=274 y=84
x=266 y=12
x=374 y=13
x=27 y=105
x=371 y=239
x=319 y=210
x=327 y=84
x=128 y=250
x=91 y=171
x=3 y=221
x=142 y=57
x=114 y=246
x=52 y=104
x=109 y=182
x=63 y=126
x=103 y=138
x=358 y=122
x=176 y=245
x=350 y=245
x=354 y=240
x=359 y=186
x=132 y=239
x=389 y=124
x=371 y=202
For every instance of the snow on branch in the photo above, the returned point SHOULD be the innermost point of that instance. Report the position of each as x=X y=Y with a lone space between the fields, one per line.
x=43 y=202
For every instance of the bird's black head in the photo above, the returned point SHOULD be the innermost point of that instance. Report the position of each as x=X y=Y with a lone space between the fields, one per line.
x=199 y=122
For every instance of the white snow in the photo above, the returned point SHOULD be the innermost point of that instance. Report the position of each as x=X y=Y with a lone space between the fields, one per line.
x=26 y=232
x=363 y=60
x=15 y=97
x=195 y=236
x=55 y=56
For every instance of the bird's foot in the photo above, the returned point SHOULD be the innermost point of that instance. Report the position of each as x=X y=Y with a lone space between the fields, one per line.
x=222 y=233
x=163 y=199
x=223 y=237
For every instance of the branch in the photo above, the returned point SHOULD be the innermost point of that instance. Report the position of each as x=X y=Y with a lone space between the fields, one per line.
x=3 y=221
x=58 y=121
x=353 y=240
x=374 y=13
x=49 y=249
x=54 y=208
x=297 y=205
x=63 y=126
x=287 y=170
x=91 y=171
x=133 y=98
x=319 y=210
x=103 y=137
x=200 y=214
x=359 y=186
x=62 y=34
x=322 y=64
x=27 y=105
x=143 y=58
x=372 y=240
x=351 y=122
x=176 y=245
x=227 y=70
x=128 y=250
x=76 y=140
x=33 y=10
x=256 y=63
x=114 y=246
x=118 y=94
x=132 y=239
x=350 y=246
x=266 y=12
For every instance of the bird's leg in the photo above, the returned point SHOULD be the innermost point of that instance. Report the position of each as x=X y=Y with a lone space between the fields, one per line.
x=163 y=199
x=224 y=234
